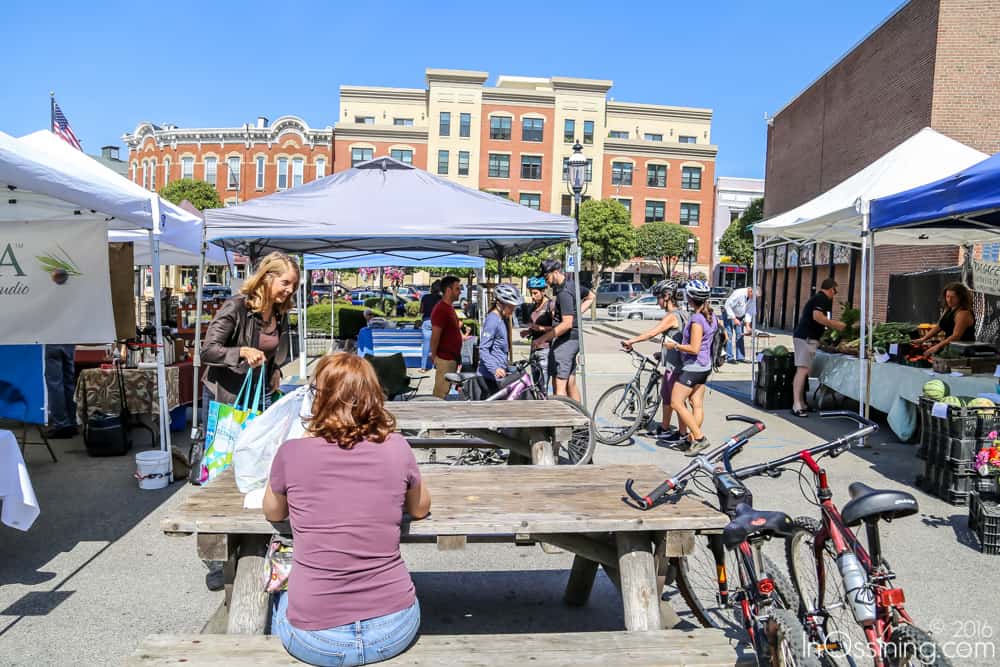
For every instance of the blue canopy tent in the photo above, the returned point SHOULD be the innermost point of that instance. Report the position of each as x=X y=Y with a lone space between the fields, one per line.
x=355 y=259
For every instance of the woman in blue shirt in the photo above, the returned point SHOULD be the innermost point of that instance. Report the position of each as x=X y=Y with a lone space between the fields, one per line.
x=494 y=344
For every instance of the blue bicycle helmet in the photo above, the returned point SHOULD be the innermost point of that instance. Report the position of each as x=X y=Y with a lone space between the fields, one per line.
x=697 y=290
x=537 y=283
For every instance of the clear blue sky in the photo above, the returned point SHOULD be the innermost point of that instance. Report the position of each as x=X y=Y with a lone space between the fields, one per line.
x=219 y=64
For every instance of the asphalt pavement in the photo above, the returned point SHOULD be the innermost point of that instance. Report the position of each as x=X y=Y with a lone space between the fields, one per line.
x=95 y=574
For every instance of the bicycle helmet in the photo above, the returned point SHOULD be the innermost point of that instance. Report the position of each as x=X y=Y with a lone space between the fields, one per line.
x=698 y=290
x=666 y=288
x=537 y=283
x=508 y=294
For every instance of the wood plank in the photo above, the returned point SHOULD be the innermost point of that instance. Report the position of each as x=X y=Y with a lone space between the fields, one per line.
x=462 y=415
x=640 y=595
x=520 y=499
x=214 y=547
x=662 y=648
x=248 y=608
x=581 y=581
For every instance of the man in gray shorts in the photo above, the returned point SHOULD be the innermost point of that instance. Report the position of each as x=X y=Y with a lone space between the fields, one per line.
x=563 y=334
x=813 y=322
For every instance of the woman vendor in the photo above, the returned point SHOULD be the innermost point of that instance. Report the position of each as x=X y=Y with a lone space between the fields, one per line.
x=958 y=324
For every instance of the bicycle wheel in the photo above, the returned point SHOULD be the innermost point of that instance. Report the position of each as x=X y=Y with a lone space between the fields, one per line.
x=703 y=585
x=909 y=646
x=618 y=414
x=833 y=625
x=580 y=448
x=786 y=642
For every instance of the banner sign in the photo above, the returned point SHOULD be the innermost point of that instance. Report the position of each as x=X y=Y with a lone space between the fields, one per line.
x=986 y=277
x=55 y=286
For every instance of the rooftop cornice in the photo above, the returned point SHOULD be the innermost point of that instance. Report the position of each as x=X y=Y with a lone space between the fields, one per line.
x=601 y=86
x=661 y=149
x=380 y=132
x=637 y=110
x=242 y=134
x=515 y=96
x=381 y=93
x=461 y=76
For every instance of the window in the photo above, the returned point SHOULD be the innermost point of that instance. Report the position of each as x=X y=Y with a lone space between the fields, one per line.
x=531 y=167
x=365 y=120
x=187 y=167
x=627 y=203
x=463 y=163
x=359 y=155
x=135 y=170
x=298 y=170
x=320 y=167
x=588 y=175
x=531 y=200
x=691 y=178
x=443 y=162
x=621 y=173
x=166 y=170
x=464 y=124
x=618 y=134
x=684 y=139
x=654 y=211
x=500 y=127
x=283 y=173
x=211 y=166
x=690 y=214
x=991 y=252
x=145 y=174
x=444 y=125
x=261 y=160
x=498 y=193
x=566 y=205
x=499 y=165
x=656 y=175
x=588 y=131
x=569 y=131
x=405 y=122
x=152 y=175
x=652 y=137
x=532 y=129
x=234 y=173
x=402 y=154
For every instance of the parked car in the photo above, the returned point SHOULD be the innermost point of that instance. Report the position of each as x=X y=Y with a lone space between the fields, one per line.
x=409 y=291
x=609 y=293
x=215 y=292
x=359 y=296
x=718 y=296
x=642 y=307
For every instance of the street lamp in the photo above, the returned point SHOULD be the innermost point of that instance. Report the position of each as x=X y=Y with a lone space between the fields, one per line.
x=690 y=254
x=576 y=181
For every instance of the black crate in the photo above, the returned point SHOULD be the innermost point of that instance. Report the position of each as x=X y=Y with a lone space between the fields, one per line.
x=962 y=424
x=773 y=398
x=963 y=450
x=777 y=379
x=988 y=485
x=954 y=487
x=984 y=519
x=771 y=364
x=989 y=421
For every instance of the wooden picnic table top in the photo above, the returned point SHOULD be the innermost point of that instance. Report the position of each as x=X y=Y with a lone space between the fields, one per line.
x=490 y=500
x=420 y=415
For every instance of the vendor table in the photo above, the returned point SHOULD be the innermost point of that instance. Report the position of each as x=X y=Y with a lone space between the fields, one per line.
x=895 y=389
x=577 y=508
x=97 y=391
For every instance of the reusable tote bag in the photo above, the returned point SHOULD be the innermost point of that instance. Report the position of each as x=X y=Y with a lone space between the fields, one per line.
x=226 y=422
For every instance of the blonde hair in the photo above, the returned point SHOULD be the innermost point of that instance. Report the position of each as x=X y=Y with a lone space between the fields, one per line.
x=348 y=404
x=257 y=288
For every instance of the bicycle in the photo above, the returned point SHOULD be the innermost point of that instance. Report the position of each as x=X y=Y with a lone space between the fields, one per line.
x=520 y=384
x=857 y=616
x=763 y=604
x=623 y=408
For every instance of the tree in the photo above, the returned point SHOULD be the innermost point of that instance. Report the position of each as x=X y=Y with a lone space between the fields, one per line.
x=201 y=194
x=665 y=243
x=737 y=240
x=525 y=264
x=607 y=237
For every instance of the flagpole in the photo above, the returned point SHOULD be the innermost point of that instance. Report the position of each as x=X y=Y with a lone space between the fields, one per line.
x=52 y=109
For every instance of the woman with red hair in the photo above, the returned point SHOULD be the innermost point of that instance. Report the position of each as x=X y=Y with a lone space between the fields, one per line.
x=350 y=599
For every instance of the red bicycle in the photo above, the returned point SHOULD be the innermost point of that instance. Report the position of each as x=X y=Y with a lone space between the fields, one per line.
x=850 y=607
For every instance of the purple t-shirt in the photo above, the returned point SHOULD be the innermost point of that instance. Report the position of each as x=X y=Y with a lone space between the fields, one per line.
x=345 y=506
x=703 y=360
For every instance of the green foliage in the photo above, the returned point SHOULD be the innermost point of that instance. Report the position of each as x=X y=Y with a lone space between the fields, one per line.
x=737 y=240
x=663 y=242
x=348 y=319
x=378 y=303
x=413 y=309
x=526 y=264
x=201 y=194
x=607 y=237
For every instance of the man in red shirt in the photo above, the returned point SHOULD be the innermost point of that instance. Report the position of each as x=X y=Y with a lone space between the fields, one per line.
x=446 y=335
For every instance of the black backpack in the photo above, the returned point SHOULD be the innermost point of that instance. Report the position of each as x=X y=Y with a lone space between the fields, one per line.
x=718 y=351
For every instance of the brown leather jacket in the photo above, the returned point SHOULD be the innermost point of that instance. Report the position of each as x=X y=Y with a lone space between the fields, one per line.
x=235 y=326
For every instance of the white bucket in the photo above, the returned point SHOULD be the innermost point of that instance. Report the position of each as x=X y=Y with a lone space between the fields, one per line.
x=153 y=469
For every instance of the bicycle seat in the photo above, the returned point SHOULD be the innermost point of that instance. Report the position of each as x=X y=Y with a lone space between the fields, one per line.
x=460 y=378
x=874 y=504
x=750 y=523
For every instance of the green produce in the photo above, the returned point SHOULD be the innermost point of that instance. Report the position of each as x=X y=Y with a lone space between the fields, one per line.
x=887 y=333
x=935 y=390
x=780 y=351
x=952 y=400
x=850 y=316
x=768 y=352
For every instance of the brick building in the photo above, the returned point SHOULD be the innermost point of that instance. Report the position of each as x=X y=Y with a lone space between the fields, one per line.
x=933 y=63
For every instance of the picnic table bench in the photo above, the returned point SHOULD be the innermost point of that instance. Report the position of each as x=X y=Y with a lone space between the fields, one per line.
x=575 y=508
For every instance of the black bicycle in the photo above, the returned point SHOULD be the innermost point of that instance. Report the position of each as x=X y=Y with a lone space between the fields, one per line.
x=759 y=600
x=625 y=407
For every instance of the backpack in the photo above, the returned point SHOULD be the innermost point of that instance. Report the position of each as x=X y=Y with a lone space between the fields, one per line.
x=718 y=350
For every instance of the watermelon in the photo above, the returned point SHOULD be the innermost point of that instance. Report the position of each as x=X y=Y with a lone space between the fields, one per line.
x=935 y=390
x=768 y=352
x=952 y=400
x=982 y=403
x=780 y=351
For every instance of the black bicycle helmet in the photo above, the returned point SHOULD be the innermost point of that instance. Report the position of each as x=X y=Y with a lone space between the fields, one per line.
x=666 y=288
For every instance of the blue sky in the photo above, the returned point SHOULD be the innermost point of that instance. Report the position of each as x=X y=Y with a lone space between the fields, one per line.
x=219 y=64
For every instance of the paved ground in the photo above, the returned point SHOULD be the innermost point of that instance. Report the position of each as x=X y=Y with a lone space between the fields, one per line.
x=94 y=575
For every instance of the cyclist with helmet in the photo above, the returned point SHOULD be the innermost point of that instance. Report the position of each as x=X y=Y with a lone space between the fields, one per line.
x=494 y=345
x=671 y=326
x=696 y=359
x=539 y=314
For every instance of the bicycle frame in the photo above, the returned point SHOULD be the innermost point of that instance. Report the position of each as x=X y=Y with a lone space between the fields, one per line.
x=513 y=391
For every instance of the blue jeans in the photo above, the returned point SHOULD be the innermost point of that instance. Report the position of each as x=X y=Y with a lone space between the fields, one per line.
x=735 y=332
x=358 y=643
x=60 y=385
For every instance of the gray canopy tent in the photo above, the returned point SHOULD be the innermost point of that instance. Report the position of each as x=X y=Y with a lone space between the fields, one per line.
x=384 y=205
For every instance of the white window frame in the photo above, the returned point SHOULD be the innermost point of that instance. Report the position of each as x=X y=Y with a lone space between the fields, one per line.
x=401 y=150
x=215 y=170
x=298 y=171
x=320 y=167
x=145 y=174
x=261 y=165
x=152 y=175
x=166 y=171
x=135 y=171
x=187 y=167
x=468 y=159
x=281 y=170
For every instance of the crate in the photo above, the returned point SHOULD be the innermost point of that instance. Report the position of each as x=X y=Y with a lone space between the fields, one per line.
x=984 y=519
x=988 y=485
x=963 y=450
x=954 y=487
x=961 y=422
x=774 y=398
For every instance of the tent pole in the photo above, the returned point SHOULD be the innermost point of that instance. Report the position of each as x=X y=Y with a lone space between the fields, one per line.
x=754 y=322
x=196 y=433
x=303 y=362
x=865 y=308
x=871 y=314
x=161 y=372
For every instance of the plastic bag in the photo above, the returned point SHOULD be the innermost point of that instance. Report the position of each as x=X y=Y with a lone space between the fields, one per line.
x=259 y=441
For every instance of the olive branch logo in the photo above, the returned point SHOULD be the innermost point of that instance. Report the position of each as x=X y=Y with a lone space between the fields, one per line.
x=59 y=266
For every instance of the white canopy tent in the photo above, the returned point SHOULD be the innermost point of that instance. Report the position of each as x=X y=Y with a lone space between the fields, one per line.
x=384 y=205
x=840 y=216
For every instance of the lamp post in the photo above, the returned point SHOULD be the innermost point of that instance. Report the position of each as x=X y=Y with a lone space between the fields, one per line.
x=576 y=182
x=690 y=255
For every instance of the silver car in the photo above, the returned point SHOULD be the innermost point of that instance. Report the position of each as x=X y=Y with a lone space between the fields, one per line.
x=642 y=307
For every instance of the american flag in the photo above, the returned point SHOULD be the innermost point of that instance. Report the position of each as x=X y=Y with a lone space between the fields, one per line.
x=61 y=127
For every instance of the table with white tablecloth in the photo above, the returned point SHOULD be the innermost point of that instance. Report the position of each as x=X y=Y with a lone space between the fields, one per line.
x=895 y=389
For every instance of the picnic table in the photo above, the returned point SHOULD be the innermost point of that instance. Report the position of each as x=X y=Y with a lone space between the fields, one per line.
x=577 y=508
